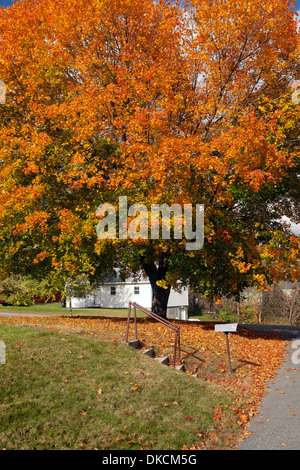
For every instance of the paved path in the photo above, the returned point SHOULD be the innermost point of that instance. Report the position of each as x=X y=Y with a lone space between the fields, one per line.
x=277 y=426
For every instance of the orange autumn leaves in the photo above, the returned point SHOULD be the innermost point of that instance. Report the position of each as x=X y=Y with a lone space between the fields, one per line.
x=121 y=69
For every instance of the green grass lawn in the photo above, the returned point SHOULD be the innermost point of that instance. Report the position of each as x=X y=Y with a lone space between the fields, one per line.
x=55 y=308
x=69 y=391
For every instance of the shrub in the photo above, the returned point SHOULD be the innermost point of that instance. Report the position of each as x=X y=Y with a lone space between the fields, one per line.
x=226 y=315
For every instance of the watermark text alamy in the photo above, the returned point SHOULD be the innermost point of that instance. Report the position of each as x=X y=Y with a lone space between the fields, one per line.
x=137 y=222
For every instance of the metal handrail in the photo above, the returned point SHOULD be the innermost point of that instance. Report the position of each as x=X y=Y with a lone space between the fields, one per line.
x=159 y=319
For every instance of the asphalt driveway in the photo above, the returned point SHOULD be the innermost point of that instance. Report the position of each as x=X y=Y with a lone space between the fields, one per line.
x=277 y=426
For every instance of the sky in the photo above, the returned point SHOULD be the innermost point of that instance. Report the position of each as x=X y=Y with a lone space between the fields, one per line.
x=5 y=3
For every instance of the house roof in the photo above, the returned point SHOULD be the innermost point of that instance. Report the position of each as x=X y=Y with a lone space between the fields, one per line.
x=130 y=279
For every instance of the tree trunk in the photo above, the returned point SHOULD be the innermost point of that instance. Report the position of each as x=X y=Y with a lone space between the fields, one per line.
x=293 y=299
x=160 y=300
x=160 y=295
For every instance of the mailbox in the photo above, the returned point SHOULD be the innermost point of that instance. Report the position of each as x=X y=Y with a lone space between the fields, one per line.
x=227 y=327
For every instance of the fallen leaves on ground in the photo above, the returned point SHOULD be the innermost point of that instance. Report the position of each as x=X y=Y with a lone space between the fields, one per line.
x=255 y=357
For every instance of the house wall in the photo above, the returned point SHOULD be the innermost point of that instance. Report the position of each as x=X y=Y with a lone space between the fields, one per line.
x=178 y=299
x=124 y=293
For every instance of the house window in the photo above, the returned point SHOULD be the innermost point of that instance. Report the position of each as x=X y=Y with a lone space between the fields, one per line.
x=112 y=290
x=136 y=290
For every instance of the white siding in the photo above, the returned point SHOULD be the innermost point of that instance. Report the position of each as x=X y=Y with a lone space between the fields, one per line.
x=125 y=292
x=178 y=299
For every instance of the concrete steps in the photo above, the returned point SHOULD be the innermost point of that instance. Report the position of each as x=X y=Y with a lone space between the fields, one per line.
x=162 y=360
x=180 y=367
x=149 y=352
x=135 y=343
x=165 y=360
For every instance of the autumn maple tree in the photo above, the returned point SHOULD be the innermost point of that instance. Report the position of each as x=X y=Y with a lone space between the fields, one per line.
x=159 y=103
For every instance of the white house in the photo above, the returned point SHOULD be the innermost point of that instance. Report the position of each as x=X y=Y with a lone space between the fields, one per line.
x=115 y=293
